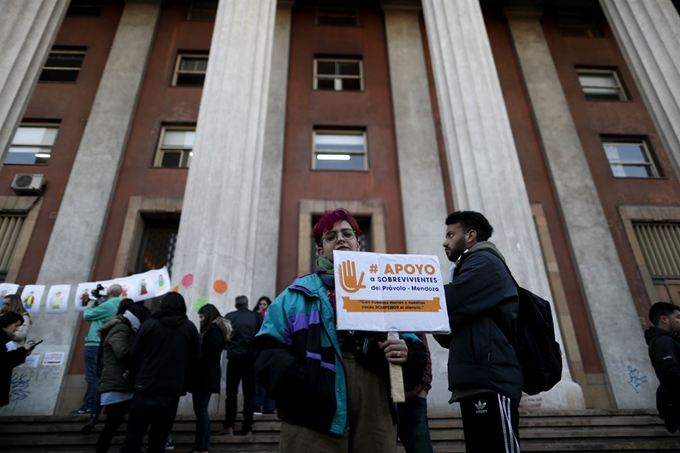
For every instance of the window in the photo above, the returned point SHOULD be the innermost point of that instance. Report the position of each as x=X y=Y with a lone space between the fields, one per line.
x=32 y=144
x=157 y=247
x=338 y=15
x=660 y=244
x=10 y=228
x=63 y=64
x=339 y=150
x=577 y=24
x=629 y=158
x=190 y=70
x=85 y=8
x=175 y=147
x=601 y=85
x=202 y=10
x=338 y=74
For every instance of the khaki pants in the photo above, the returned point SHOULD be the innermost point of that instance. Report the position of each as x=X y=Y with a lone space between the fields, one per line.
x=371 y=428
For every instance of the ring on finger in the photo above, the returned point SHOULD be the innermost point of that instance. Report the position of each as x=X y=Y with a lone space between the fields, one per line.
x=398 y=354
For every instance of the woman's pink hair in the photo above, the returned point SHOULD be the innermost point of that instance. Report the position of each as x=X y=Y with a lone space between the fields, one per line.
x=328 y=221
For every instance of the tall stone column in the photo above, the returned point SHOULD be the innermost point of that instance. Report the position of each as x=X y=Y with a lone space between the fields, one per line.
x=419 y=164
x=610 y=303
x=27 y=30
x=649 y=36
x=74 y=242
x=482 y=158
x=219 y=224
x=269 y=209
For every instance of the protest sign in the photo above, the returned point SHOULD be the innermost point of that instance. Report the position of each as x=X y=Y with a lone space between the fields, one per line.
x=382 y=293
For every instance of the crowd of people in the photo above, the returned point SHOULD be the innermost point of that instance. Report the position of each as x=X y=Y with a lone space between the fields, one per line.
x=330 y=388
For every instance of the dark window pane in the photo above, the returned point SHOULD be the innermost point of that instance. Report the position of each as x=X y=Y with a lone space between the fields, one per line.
x=190 y=80
x=171 y=159
x=602 y=94
x=348 y=68
x=203 y=10
x=325 y=67
x=158 y=244
x=56 y=75
x=325 y=84
x=351 y=84
x=64 y=60
x=86 y=8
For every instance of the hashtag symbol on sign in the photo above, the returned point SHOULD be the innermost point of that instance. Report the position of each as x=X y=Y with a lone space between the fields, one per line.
x=373 y=268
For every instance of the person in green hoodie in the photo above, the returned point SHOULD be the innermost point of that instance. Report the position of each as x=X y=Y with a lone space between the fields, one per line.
x=97 y=316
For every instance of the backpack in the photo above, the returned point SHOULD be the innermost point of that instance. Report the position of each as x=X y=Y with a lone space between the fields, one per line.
x=539 y=355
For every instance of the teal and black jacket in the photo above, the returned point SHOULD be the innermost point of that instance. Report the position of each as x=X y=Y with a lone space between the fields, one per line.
x=299 y=361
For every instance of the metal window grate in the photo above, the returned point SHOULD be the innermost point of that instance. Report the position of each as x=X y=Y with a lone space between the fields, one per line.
x=660 y=244
x=10 y=227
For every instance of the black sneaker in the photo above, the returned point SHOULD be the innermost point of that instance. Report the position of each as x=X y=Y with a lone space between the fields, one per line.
x=81 y=411
x=169 y=445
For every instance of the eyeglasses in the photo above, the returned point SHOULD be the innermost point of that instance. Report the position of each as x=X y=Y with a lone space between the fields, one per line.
x=332 y=236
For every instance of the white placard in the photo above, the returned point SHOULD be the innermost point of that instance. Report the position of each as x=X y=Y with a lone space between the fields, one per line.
x=7 y=289
x=83 y=295
x=383 y=293
x=57 y=299
x=31 y=297
x=53 y=359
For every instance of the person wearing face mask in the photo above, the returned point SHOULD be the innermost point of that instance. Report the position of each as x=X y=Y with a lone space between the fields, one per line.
x=10 y=356
x=332 y=387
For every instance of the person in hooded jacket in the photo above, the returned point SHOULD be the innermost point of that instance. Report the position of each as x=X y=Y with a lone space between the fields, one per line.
x=13 y=303
x=117 y=384
x=164 y=349
x=12 y=356
x=663 y=340
x=205 y=379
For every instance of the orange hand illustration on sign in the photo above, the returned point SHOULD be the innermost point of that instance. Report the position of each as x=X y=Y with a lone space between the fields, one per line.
x=348 y=277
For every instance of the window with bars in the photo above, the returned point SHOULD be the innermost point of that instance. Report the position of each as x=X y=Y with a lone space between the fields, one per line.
x=175 y=147
x=63 y=64
x=337 y=15
x=601 y=85
x=32 y=144
x=660 y=245
x=202 y=10
x=10 y=228
x=157 y=248
x=338 y=74
x=340 y=150
x=629 y=158
x=190 y=70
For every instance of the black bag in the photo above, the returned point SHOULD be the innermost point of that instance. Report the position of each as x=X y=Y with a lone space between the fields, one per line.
x=538 y=353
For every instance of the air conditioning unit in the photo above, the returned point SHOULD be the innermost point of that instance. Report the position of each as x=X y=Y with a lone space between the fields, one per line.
x=26 y=183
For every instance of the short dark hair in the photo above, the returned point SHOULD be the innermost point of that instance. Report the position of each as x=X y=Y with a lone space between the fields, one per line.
x=471 y=220
x=660 y=309
x=241 y=301
x=10 y=318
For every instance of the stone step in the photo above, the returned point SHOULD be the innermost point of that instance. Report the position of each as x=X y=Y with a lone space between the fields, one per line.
x=582 y=431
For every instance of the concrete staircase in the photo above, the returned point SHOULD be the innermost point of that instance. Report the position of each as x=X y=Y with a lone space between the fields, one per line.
x=576 y=431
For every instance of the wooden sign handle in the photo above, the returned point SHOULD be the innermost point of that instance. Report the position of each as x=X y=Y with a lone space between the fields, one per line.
x=396 y=376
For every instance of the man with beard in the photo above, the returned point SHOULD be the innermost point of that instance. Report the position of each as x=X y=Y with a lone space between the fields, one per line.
x=332 y=387
x=484 y=374
x=663 y=339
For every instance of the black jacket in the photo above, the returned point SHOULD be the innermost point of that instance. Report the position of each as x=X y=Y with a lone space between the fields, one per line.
x=205 y=376
x=162 y=352
x=246 y=324
x=482 y=304
x=664 y=352
x=8 y=360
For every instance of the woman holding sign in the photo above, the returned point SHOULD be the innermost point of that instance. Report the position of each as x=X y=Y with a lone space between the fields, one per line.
x=332 y=387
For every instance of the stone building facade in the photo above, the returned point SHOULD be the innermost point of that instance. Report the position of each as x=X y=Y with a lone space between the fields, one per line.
x=209 y=136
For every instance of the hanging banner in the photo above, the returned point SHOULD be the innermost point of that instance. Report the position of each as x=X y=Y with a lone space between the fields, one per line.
x=31 y=297
x=383 y=293
x=7 y=289
x=57 y=299
x=83 y=295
